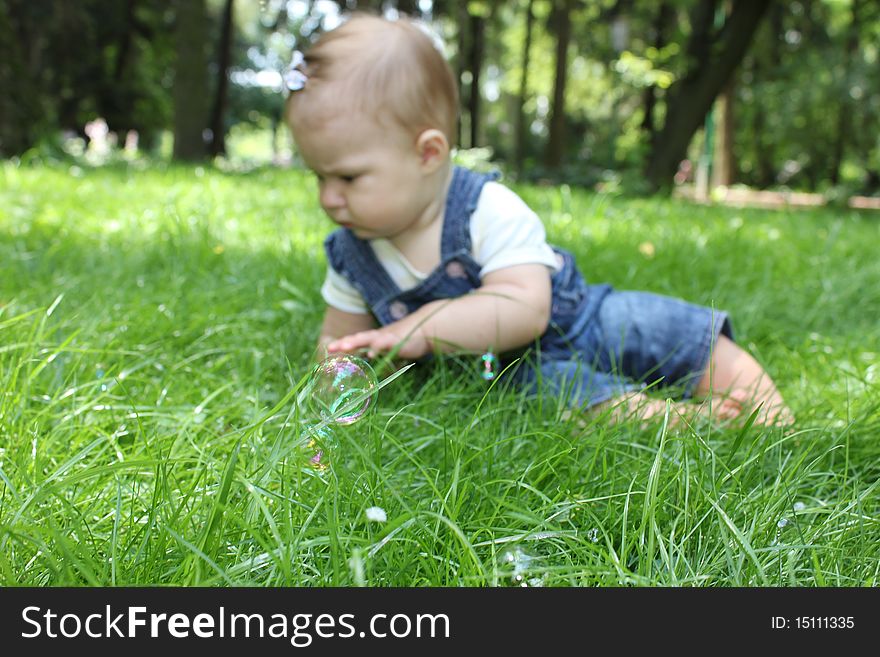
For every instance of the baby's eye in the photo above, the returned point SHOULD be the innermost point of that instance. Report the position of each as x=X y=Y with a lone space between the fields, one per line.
x=348 y=179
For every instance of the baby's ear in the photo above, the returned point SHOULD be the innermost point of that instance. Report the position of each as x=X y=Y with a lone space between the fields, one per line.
x=433 y=149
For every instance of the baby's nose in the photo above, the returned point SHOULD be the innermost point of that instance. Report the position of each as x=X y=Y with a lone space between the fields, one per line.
x=331 y=197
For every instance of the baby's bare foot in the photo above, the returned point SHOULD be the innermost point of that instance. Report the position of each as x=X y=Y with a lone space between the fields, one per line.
x=773 y=412
x=727 y=407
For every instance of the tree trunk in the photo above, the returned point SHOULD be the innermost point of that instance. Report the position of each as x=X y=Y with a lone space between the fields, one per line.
x=724 y=165
x=556 y=140
x=124 y=47
x=475 y=65
x=520 y=130
x=116 y=94
x=649 y=98
x=190 y=81
x=218 y=113
x=714 y=57
x=871 y=183
x=461 y=20
x=845 y=109
x=763 y=176
x=409 y=7
x=70 y=75
x=21 y=112
x=765 y=151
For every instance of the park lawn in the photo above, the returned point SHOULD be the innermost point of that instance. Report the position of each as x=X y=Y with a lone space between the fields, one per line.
x=156 y=324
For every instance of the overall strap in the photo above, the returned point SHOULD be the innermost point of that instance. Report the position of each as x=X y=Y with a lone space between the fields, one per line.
x=355 y=259
x=461 y=201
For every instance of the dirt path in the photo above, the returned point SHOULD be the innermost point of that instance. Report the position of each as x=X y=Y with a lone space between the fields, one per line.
x=766 y=199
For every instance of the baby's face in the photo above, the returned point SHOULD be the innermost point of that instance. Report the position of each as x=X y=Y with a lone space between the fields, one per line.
x=369 y=175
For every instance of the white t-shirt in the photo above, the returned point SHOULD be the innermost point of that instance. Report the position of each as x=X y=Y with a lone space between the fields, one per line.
x=504 y=232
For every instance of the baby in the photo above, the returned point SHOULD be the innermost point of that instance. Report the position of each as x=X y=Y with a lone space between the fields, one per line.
x=430 y=257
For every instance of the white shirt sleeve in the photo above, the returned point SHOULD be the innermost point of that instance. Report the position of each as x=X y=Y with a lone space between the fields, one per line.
x=341 y=294
x=507 y=232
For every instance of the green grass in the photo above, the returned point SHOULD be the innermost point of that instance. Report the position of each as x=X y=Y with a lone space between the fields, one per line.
x=156 y=325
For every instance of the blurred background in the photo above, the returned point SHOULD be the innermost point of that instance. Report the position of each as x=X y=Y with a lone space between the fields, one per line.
x=630 y=94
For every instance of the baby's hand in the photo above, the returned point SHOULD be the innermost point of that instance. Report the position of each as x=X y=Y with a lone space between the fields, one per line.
x=382 y=340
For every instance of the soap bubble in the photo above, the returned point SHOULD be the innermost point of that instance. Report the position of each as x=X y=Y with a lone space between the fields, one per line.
x=341 y=389
x=515 y=565
x=799 y=506
x=318 y=443
x=781 y=524
x=490 y=366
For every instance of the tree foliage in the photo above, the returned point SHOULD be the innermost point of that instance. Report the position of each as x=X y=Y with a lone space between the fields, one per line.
x=628 y=94
x=70 y=62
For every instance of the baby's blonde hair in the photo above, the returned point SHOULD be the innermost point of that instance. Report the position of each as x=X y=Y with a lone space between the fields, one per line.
x=389 y=69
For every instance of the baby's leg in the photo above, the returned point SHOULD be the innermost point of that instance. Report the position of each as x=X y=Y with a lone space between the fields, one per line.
x=638 y=406
x=738 y=385
x=654 y=339
x=735 y=382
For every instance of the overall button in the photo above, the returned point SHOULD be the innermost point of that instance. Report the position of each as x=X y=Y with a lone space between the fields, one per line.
x=454 y=269
x=398 y=310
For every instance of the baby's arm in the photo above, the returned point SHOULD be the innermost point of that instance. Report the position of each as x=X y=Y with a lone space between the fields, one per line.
x=509 y=310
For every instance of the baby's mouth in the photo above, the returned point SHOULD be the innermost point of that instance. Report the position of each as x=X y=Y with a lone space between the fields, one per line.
x=345 y=223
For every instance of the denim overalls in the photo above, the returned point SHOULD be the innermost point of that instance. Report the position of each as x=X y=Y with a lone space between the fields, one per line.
x=592 y=348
